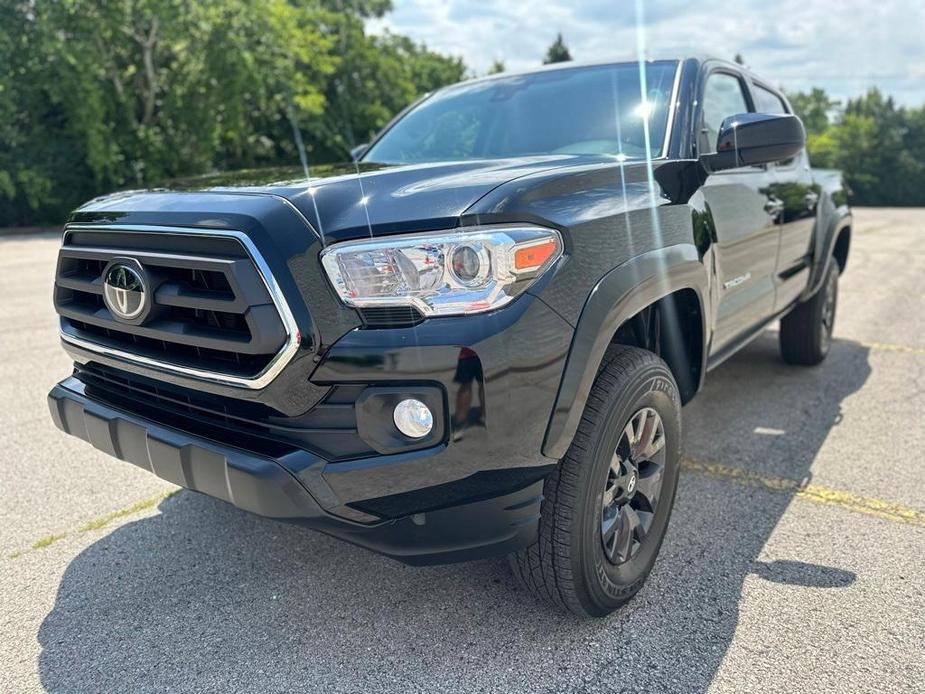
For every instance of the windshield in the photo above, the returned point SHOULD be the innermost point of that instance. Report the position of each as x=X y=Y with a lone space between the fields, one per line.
x=591 y=110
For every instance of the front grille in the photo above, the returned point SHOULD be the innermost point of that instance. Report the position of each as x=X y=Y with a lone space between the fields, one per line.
x=211 y=310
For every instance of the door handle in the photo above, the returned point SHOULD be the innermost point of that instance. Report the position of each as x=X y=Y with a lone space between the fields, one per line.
x=774 y=207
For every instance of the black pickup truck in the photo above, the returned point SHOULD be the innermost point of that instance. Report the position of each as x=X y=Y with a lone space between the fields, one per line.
x=475 y=339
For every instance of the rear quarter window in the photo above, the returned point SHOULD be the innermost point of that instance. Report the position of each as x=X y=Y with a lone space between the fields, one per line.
x=767 y=101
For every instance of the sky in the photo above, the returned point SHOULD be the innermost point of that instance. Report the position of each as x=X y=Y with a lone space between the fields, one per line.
x=844 y=46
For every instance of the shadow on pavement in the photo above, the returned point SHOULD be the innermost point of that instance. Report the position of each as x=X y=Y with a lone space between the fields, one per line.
x=204 y=597
x=798 y=573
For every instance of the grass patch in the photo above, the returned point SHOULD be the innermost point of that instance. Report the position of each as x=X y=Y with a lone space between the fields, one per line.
x=137 y=507
x=44 y=542
x=96 y=523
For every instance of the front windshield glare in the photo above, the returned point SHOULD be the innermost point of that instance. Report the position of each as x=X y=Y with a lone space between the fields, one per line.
x=589 y=110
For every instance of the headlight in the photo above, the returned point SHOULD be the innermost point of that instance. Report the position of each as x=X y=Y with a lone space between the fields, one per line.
x=449 y=273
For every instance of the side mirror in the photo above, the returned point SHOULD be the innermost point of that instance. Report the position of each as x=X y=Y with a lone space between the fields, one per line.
x=749 y=139
x=358 y=151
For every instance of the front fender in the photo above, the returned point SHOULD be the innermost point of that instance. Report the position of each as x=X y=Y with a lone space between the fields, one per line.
x=618 y=296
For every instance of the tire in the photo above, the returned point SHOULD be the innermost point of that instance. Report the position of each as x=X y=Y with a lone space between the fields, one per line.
x=806 y=332
x=590 y=556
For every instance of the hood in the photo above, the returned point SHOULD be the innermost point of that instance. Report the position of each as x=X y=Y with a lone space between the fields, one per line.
x=355 y=200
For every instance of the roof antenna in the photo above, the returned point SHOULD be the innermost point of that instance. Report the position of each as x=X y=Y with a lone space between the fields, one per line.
x=345 y=96
x=300 y=145
x=644 y=99
x=303 y=157
x=364 y=199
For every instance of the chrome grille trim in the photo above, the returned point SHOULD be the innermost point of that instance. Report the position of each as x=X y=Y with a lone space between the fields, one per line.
x=269 y=372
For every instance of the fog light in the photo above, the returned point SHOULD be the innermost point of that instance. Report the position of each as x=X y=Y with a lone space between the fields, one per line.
x=413 y=418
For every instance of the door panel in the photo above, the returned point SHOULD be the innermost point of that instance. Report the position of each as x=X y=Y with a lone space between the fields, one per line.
x=745 y=218
x=800 y=195
x=747 y=239
x=795 y=193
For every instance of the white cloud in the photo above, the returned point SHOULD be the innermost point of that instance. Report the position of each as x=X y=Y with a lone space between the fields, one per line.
x=845 y=46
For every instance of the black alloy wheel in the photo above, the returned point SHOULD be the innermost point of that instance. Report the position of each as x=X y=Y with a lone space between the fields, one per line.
x=608 y=502
x=634 y=483
x=827 y=324
x=806 y=332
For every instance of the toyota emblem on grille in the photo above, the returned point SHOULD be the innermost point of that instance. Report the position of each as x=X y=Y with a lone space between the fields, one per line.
x=125 y=290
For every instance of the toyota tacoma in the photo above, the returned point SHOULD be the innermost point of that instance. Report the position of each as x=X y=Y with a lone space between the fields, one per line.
x=477 y=337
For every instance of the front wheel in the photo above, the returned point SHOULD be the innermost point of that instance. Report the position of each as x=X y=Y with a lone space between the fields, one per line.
x=606 y=506
x=806 y=332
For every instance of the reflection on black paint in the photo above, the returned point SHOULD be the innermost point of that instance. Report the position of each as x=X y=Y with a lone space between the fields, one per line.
x=704 y=230
x=794 y=195
x=468 y=373
x=281 y=175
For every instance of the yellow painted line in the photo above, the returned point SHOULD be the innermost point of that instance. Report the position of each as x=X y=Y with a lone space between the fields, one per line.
x=886 y=347
x=95 y=523
x=847 y=501
x=815 y=493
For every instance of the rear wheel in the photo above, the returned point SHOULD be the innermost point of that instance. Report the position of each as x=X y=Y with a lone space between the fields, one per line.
x=607 y=504
x=806 y=332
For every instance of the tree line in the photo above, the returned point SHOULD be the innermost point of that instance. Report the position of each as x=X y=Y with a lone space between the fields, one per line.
x=880 y=146
x=101 y=96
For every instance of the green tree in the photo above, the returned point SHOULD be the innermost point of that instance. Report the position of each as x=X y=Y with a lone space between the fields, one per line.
x=558 y=52
x=813 y=108
x=880 y=147
x=882 y=166
x=98 y=96
x=128 y=92
x=496 y=67
x=377 y=76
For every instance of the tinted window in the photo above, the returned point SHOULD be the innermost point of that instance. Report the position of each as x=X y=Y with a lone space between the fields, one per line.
x=723 y=96
x=768 y=102
x=595 y=110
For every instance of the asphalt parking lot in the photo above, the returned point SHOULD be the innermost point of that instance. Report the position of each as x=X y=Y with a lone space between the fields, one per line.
x=795 y=559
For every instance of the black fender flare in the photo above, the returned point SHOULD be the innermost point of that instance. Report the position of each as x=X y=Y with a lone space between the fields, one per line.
x=618 y=296
x=823 y=251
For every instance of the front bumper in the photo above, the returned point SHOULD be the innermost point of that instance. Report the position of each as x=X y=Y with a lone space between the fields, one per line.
x=264 y=486
x=473 y=491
